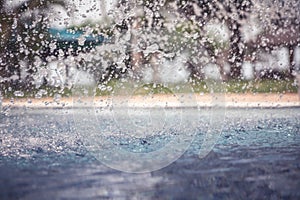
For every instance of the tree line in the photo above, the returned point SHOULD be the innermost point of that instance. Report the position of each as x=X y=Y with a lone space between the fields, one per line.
x=24 y=33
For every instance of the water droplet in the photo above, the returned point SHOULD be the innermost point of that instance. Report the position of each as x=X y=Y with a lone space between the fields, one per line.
x=81 y=40
x=19 y=93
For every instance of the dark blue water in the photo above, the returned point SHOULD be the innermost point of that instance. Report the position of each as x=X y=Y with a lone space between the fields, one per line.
x=256 y=157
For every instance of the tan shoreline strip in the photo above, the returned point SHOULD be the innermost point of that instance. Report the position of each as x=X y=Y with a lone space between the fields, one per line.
x=202 y=100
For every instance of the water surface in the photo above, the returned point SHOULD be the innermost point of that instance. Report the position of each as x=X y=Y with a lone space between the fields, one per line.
x=256 y=157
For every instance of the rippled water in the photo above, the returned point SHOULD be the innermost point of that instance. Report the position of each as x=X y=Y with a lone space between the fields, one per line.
x=256 y=157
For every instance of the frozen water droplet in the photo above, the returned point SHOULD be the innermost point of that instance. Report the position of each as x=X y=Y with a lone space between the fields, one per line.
x=19 y=38
x=19 y=93
x=57 y=98
x=81 y=41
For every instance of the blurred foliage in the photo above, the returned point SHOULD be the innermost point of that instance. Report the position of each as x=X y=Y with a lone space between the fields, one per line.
x=198 y=86
x=250 y=86
x=262 y=86
x=23 y=35
x=152 y=88
x=41 y=92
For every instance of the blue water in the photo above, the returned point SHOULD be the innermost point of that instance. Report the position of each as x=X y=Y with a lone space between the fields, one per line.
x=256 y=157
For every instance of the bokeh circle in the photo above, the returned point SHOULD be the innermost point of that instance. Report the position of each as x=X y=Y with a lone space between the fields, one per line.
x=134 y=131
x=136 y=125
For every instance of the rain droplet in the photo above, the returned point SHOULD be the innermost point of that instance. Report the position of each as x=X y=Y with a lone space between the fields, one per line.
x=81 y=41
x=19 y=93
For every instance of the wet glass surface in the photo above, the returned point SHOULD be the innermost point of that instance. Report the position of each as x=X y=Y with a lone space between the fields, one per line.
x=90 y=90
x=256 y=157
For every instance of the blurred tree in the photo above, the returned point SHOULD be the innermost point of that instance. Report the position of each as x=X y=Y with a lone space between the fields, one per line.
x=280 y=29
x=230 y=12
x=279 y=20
x=23 y=30
x=145 y=25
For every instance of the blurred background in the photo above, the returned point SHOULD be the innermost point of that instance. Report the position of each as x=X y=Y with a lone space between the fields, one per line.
x=52 y=50
x=253 y=46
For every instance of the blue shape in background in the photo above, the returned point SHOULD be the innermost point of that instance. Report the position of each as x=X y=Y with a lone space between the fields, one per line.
x=66 y=39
